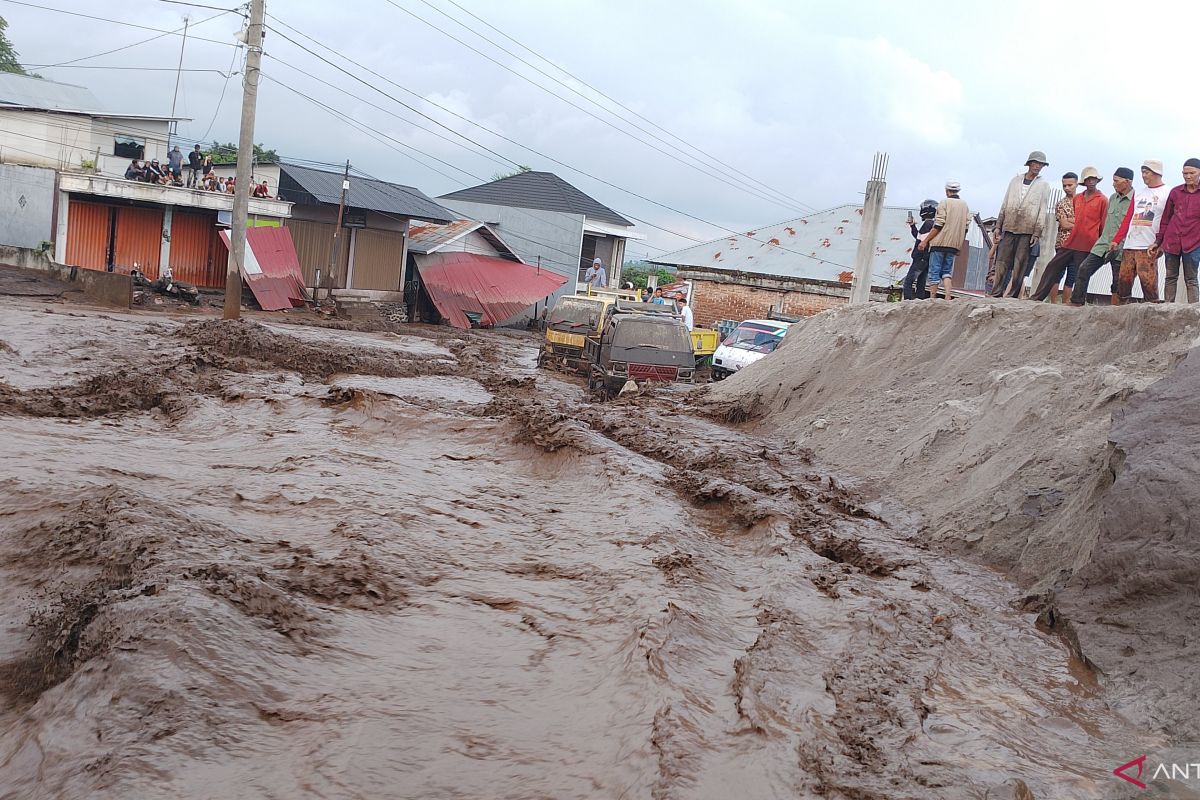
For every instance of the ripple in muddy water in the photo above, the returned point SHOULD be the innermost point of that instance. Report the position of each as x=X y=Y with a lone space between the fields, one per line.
x=446 y=389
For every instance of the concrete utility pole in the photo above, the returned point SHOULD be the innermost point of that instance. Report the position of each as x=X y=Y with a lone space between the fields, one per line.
x=245 y=157
x=860 y=290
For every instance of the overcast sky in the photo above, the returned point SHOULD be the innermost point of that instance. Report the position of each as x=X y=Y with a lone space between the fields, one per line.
x=797 y=95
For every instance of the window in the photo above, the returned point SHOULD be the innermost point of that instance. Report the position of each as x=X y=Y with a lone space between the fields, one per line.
x=129 y=147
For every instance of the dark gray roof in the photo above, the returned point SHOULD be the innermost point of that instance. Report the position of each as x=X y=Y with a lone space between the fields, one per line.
x=544 y=191
x=308 y=186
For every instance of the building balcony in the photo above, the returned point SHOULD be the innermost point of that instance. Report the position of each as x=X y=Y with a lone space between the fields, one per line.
x=119 y=188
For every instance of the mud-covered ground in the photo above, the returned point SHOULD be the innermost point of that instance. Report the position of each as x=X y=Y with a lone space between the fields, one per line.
x=255 y=561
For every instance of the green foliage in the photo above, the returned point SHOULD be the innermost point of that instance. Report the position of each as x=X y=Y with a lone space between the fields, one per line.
x=226 y=153
x=520 y=168
x=8 y=56
x=87 y=164
x=638 y=273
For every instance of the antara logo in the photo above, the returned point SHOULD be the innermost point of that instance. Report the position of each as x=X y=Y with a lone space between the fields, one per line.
x=1165 y=771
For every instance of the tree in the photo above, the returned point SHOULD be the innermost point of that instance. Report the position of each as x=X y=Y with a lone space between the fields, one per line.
x=226 y=153
x=8 y=56
x=638 y=272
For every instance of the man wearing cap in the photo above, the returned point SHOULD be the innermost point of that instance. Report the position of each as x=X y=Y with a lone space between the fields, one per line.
x=1089 y=208
x=945 y=238
x=1105 y=250
x=1022 y=217
x=1179 y=233
x=1138 y=235
x=596 y=276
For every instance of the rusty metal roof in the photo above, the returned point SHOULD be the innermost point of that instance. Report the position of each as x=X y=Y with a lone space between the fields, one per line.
x=819 y=246
x=496 y=289
x=543 y=191
x=271 y=268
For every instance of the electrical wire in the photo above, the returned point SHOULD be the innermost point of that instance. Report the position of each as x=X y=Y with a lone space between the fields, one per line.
x=113 y=21
x=779 y=199
x=527 y=148
x=608 y=97
x=125 y=47
x=221 y=99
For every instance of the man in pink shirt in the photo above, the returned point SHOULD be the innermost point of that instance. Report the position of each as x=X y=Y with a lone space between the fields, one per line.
x=1179 y=232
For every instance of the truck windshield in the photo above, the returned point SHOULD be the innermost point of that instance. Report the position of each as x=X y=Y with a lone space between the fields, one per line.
x=759 y=339
x=655 y=336
x=576 y=314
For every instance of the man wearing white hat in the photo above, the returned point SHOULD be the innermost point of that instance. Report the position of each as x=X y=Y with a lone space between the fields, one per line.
x=1019 y=225
x=596 y=276
x=944 y=240
x=1139 y=232
x=1090 y=207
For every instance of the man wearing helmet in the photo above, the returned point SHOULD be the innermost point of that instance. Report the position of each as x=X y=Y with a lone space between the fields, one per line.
x=913 y=287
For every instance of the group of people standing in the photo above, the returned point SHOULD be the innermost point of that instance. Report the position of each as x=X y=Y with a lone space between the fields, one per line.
x=1128 y=230
x=200 y=174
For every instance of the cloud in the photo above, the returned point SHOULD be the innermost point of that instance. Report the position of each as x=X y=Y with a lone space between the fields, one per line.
x=918 y=100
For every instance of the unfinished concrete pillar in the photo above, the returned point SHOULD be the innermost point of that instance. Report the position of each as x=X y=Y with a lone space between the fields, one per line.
x=860 y=290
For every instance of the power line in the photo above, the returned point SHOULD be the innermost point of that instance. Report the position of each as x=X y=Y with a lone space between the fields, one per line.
x=221 y=99
x=739 y=185
x=134 y=69
x=608 y=97
x=748 y=186
x=527 y=148
x=199 y=5
x=114 y=21
x=505 y=163
x=125 y=47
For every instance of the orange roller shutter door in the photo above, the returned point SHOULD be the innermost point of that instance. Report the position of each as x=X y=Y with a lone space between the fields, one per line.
x=192 y=250
x=89 y=226
x=139 y=240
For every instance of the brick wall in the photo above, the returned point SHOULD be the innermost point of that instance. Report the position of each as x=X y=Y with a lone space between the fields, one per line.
x=718 y=300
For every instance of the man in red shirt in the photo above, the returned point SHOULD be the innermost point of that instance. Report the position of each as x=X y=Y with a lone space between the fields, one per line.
x=1179 y=232
x=1090 y=208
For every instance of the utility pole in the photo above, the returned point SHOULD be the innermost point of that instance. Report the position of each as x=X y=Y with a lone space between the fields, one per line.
x=337 y=231
x=172 y=126
x=245 y=157
x=860 y=290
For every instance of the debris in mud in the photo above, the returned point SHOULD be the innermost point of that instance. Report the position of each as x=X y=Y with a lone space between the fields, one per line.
x=252 y=343
x=844 y=550
x=672 y=563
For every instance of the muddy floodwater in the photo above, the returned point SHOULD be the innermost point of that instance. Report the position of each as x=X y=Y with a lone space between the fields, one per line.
x=285 y=562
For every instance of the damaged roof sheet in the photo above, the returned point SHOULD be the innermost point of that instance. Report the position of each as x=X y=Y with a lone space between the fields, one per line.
x=494 y=288
x=819 y=246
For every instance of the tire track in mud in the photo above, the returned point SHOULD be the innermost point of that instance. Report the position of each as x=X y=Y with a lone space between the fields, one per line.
x=880 y=673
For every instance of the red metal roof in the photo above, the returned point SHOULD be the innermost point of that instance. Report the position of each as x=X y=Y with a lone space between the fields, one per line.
x=492 y=287
x=272 y=268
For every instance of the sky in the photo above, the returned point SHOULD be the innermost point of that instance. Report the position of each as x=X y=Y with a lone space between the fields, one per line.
x=763 y=110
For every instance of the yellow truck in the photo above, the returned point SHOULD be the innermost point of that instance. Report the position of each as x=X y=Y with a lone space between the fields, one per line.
x=578 y=316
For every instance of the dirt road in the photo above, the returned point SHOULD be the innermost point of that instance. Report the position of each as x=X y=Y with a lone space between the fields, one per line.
x=281 y=562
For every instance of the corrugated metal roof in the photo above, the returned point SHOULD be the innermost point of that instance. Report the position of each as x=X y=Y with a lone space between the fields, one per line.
x=22 y=91
x=272 y=268
x=431 y=238
x=492 y=287
x=306 y=186
x=544 y=191
x=819 y=246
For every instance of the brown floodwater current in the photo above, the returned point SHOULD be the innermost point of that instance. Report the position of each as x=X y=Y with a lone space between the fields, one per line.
x=283 y=562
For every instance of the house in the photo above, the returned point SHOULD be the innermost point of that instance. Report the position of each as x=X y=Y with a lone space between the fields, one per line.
x=463 y=272
x=372 y=245
x=804 y=266
x=62 y=164
x=549 y=222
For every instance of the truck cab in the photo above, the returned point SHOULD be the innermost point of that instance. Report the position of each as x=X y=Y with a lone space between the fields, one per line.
x=639 y=347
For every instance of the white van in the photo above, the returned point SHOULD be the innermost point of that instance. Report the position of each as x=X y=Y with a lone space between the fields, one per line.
x=749 y=342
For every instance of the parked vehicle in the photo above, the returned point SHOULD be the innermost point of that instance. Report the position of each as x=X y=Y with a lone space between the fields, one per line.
x=750 y=341
x=574 y=318
x=640 y=347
